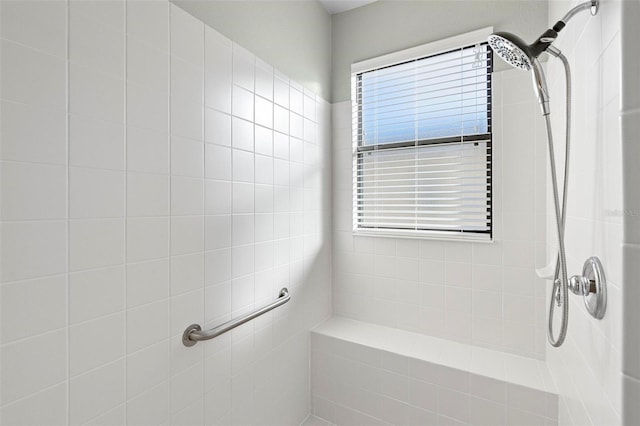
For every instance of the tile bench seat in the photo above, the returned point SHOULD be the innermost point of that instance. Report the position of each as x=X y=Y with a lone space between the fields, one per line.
x=363 y=373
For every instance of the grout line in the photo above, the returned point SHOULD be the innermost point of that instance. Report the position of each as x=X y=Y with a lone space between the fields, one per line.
x=93 y=419
x=1 y=224
x=232 y=212
x=68 y=206
x=125 y=206
x=34 y=49
x=61 y=220
x=42 y=163
x=169 y=53
x=204 y=203
x=32 y=394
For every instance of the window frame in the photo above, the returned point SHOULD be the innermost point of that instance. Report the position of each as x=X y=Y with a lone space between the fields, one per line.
x=397 y=58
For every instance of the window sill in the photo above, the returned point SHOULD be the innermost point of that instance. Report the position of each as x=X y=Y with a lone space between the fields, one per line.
x=424 y=235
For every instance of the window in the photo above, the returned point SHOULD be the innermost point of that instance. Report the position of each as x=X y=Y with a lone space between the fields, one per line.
x=422 y=143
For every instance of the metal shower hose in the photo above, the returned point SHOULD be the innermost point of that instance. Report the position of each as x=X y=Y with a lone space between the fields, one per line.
x=560 y=282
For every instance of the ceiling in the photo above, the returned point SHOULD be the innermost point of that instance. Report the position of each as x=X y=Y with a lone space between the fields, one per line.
x=337 y=6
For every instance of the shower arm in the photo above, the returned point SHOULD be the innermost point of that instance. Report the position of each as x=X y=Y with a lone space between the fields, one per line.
x=592 y=5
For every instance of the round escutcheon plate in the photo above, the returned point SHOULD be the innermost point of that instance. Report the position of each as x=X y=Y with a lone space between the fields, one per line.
x=596 y=299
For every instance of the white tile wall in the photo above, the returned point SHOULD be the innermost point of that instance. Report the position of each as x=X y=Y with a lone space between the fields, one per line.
x=154 y=174
x=477 y=293
x=630 y=101
x=591 y=387
x=140 y=195
x=366 y=374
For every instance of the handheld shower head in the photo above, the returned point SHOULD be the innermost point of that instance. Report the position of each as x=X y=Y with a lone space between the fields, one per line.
x=511 y=49
x=514 y=51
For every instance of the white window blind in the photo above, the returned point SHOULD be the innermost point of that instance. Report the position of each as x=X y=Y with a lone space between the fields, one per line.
x=422 y=145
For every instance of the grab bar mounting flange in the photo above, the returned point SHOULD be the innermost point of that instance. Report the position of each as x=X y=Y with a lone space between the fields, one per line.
x=185 y=336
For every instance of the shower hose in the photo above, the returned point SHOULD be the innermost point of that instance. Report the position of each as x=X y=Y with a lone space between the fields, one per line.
x=560 y=292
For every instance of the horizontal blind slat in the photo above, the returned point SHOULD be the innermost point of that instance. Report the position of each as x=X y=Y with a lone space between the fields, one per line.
x=411 y=133
x=403 y=180
x=425 y=75
x=425 y=226
x=471 y=87
x=455 y=63
x=436 y=60
x=400 y=110
x=390 y=201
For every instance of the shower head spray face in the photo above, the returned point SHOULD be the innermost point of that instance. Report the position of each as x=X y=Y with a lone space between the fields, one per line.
x=511 y=49
x=517 y=53
x=514 y=51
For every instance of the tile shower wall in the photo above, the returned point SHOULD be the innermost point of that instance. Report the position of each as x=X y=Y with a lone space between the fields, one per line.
x=423 y=380
x=630 y=130
x=587 y=368
x=485 y=294
x=154 y=174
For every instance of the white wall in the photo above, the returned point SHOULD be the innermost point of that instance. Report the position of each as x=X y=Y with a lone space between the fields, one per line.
x=587 y=367
x=294 y=36
x=136 y=201
x=478 y=293
x=387 y=26
x=630 y=129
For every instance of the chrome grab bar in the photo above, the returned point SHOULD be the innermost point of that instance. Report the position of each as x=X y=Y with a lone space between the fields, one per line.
x=194 y=334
